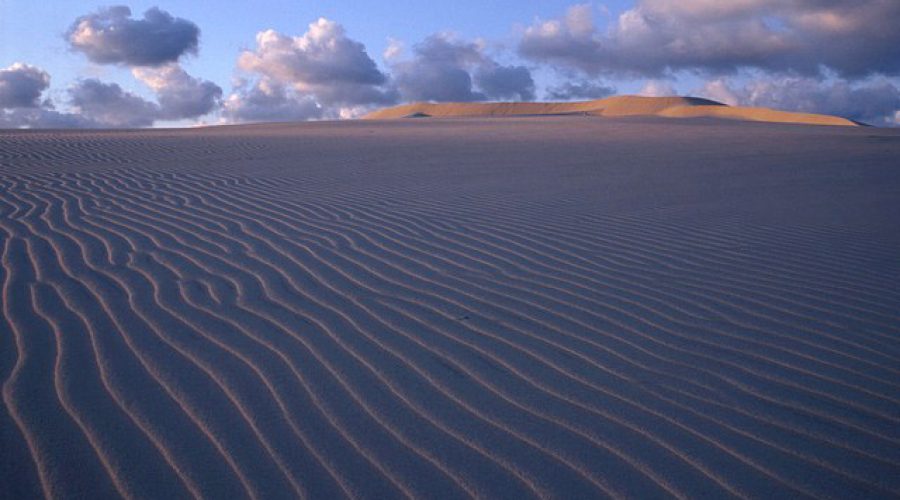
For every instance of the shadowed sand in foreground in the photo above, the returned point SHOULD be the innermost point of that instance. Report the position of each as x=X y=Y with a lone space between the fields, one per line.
x=564 y=307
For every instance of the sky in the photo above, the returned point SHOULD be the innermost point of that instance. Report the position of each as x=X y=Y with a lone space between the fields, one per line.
x=177 y=63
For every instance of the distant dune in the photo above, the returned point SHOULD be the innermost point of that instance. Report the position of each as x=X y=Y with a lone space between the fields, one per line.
x=561 y=308
x=671 y=107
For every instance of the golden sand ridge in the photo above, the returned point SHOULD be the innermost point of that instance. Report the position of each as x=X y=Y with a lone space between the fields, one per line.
x=670 y=107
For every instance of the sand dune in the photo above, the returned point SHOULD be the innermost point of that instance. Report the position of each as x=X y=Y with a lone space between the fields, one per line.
x=532 y=307
x=618 y=106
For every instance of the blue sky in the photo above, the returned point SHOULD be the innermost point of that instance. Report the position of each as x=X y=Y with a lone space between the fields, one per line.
x=228 y=26
x=802 y=55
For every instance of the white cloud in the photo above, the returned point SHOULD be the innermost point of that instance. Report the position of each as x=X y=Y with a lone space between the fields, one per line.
x=719 y=90
x=394 y=50
x=322 y=62
x=658 y=88
x=179 y=94
x=320 y=74
x=875 y=102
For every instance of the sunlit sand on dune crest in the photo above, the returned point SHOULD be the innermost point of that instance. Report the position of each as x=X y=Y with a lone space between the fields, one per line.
x=618 y=106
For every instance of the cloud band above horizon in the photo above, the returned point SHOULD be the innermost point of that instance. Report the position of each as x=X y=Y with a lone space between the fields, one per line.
x=799 y=55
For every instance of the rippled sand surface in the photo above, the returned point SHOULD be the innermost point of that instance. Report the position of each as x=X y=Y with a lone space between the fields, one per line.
x=565 y=307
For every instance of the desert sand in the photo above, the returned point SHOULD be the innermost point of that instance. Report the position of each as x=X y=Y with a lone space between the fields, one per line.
x=617 y=106
x=560 y=307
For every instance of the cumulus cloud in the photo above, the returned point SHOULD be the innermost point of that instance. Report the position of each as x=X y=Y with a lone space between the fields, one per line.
x=394 y=49
x=267 y=101
x=445 y=69
x=97 y=104
x=43 y=118
x=179 y=94
x=111 y=36
x=854 y=39
x=325 y=74
x=657 y=88
x=719 y=89
x=323 y=62
x=876 y=102
x=21 y=86
x=94 y=104
x=505 y=82
x=151 y=46
x=579 y=90
x=109 y=105
x=438 y=71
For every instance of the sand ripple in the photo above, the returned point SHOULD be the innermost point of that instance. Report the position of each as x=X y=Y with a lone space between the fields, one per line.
x=318 y=312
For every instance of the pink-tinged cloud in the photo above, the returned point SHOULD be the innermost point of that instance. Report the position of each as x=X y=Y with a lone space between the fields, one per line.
x=853 y=39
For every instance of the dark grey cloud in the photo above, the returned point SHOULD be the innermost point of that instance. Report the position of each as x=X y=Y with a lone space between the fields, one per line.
x=21 y=86
x=875 y=102
x=265 y=101
x=579 y=90
x=95 y=104
x=152 y=46
x=853 y=39
x=323 y=63
x=111 y=36
x=438 y=71
x=445 y=69
x=179 y=94
x=109 y=105
x=505 y=82
x=43 y=118
x=21 y=105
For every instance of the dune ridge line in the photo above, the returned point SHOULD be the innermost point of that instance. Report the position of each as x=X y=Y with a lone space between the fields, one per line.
x=617 y=106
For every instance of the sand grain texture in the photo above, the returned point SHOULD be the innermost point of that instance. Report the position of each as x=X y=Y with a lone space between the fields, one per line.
x=564 y=307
